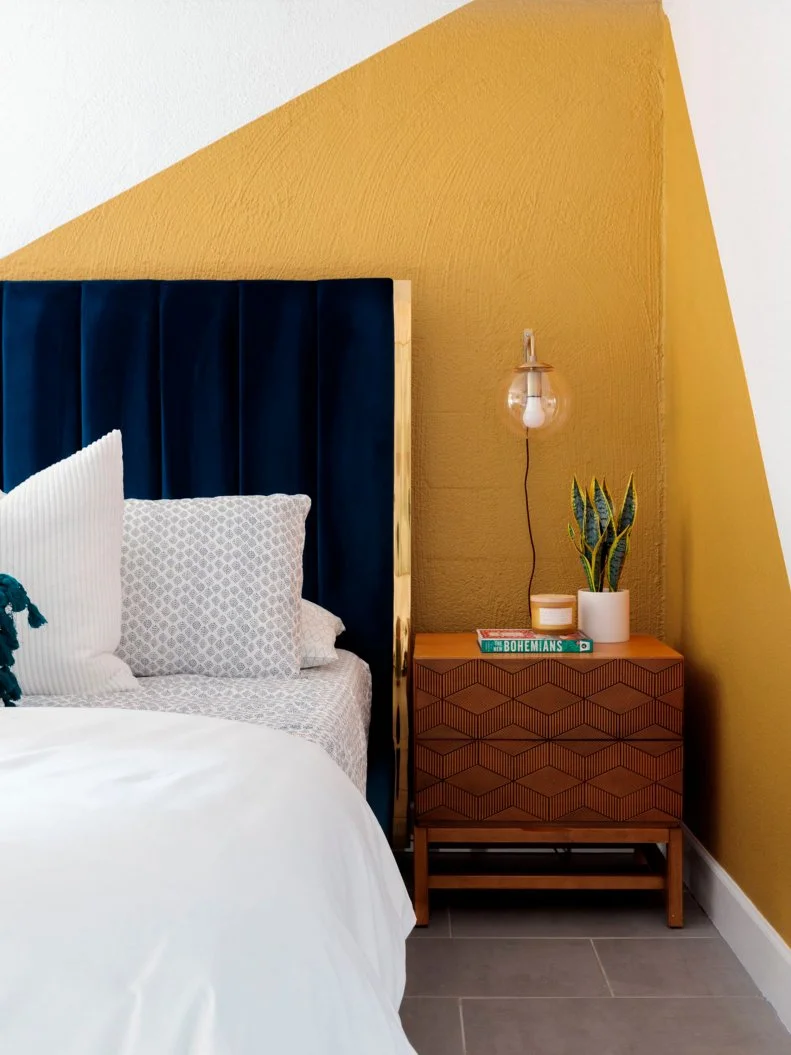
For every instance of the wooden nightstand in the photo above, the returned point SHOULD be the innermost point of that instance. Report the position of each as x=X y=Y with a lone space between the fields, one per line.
x=563 y=750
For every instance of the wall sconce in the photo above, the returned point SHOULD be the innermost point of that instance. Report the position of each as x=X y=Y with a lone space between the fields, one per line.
x=537 y=403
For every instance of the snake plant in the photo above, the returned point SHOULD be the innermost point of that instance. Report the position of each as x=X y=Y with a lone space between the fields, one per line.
x=604 y=532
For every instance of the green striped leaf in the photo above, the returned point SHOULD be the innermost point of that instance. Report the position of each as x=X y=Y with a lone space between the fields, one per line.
x=590 y=524
x=577 y=504
x=603 y=507
x=588 y=572
x=597 y=561
x=628 y=512
x=577 y=545
x=617 y=558
x=609 y=536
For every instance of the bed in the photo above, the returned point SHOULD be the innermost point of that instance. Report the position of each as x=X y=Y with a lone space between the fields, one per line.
x=193 y=863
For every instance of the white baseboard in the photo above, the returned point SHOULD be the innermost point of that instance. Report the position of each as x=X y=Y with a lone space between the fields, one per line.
x=762 y=951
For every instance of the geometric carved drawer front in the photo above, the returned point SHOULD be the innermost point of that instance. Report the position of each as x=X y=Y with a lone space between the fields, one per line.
x=547 y=699
x=548 y=781
x=535 y=739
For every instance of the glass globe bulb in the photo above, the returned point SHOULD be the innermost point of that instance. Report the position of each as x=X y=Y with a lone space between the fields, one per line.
x=536 y=396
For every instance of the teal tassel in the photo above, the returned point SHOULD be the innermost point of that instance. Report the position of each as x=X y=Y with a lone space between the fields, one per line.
x=6 y=655
x=9 y=688
x=13 y=598
x=7 y=629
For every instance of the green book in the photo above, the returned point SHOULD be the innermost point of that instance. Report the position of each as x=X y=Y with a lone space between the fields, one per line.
x=516 y=641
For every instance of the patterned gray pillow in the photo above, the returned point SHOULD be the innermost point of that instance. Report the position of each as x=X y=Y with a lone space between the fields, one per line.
x=213 y=585
x=320 y=628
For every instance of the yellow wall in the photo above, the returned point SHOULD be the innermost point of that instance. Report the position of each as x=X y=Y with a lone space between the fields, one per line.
x=728 y=602
x=507 y=159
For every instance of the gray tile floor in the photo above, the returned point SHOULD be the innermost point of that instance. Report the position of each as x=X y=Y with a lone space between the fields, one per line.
x=581 y=974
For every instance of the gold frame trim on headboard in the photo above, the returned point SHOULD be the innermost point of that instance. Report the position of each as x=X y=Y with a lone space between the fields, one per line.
x=402 y=551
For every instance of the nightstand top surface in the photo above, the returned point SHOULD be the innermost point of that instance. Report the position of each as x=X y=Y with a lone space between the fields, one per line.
x=465 y=646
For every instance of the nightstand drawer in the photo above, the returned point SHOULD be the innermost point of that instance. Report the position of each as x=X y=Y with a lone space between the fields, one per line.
x=548 y=781
x=574 y=698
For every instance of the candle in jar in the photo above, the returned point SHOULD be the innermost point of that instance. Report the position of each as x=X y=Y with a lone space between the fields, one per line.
x=553 y=613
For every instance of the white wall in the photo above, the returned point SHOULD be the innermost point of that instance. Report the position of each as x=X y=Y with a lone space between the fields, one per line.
x=736 y=71
x=97 y=95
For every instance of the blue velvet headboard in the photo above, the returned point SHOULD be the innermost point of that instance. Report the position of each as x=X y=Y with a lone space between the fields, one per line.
x=229 y=388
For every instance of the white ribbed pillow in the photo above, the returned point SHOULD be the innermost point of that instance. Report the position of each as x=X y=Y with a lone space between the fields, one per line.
x=60 y=535
x=319 y=630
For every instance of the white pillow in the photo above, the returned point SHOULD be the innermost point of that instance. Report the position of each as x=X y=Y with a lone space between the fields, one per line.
x=60 y=535
x=319 y=630
x=213 y=586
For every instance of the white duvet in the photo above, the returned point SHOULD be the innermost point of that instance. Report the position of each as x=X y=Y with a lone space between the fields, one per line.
x=182 y=885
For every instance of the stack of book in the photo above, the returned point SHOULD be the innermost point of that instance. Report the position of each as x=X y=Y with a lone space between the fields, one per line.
x=530 y=641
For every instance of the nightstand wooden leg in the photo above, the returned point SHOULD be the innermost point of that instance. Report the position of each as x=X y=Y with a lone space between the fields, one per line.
x=421 y=875
x=675 y=878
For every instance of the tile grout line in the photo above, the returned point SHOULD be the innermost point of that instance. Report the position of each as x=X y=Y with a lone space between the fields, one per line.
x=621 y=999
x=461 y=1023
x=567 y=937
x=601 y=966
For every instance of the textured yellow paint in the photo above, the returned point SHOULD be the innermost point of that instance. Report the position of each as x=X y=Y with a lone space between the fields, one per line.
x=507 y=160
x=728 y=602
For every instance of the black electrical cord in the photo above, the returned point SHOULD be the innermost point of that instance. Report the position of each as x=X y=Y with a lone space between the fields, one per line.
x=529 y=527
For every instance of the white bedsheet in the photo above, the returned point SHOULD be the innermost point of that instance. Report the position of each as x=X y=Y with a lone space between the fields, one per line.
x=182 y=885
x=329 y=705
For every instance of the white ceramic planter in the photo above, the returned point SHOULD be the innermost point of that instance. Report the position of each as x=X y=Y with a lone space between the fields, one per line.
x=604 y=617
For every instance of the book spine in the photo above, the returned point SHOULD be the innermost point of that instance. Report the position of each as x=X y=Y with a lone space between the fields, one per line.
x=532 y=647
